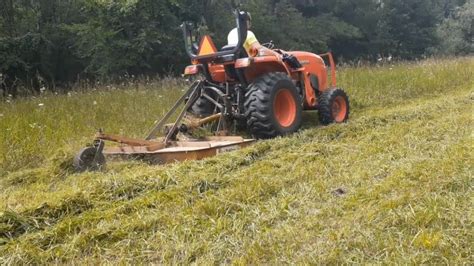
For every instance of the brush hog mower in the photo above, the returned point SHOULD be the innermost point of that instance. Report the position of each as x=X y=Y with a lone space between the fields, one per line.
x=263 y=94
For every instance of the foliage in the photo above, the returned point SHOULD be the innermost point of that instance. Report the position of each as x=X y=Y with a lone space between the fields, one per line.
x=391 y=186
x=456 y=33
x=408 y=28
x=53 y=43
x=126 y=37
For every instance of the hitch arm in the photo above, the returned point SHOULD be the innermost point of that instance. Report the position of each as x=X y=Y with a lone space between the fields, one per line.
x=159 y=125
x=191 y=100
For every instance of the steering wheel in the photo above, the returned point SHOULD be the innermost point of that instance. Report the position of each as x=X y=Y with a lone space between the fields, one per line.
x=269 y=45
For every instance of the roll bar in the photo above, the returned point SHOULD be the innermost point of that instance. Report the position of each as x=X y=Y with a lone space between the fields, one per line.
x=188 y=29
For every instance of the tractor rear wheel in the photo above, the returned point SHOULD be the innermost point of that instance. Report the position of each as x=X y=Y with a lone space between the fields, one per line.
x=202 y=107
x=272 y=106
x=333 y=106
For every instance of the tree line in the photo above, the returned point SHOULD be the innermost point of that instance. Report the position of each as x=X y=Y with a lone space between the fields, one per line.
x=50 y=44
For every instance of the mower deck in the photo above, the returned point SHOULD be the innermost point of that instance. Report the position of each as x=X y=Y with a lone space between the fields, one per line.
x=177 y=151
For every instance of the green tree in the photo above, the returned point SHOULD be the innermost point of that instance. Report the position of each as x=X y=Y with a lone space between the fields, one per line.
x=118 y=37
x=408 y=27
x=456 y=33
x=33 y=46
x=45 y=43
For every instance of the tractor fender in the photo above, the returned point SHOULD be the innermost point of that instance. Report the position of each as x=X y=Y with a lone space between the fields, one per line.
x=263 y=65
x=314 y=75
x=314 y=65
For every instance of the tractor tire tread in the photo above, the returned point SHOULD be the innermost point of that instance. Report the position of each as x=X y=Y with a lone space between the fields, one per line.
x=202 y=107
x=258 y=105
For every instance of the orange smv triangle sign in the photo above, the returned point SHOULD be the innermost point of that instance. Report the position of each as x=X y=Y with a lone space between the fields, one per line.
x=207 y=46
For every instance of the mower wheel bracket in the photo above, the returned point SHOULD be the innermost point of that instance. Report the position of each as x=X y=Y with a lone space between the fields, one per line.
x=90 y=158
x=99 y=146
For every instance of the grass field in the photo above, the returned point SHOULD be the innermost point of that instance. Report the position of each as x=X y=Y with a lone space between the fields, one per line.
x=393 y=185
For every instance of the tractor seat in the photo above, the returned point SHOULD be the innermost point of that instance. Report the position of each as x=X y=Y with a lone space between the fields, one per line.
x=228 y=47
x=230 y=69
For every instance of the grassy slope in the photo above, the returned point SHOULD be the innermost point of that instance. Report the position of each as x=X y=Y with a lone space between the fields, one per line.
x=393 y=185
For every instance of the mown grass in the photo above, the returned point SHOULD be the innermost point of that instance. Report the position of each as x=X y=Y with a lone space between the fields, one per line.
x=393 y=185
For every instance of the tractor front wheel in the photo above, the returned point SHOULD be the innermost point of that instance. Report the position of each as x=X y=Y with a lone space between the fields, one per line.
x=272 y=106
x=333 y=105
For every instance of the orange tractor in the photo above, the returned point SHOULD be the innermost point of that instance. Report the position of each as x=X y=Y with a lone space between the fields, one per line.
x=264 y=94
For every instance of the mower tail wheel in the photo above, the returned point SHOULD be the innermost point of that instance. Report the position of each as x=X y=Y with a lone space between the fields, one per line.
x=272 y=106
x=89 y=160
x=333 y=106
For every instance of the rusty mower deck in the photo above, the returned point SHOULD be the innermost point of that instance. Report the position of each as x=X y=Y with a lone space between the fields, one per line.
x=173 y=147
x=178 y=150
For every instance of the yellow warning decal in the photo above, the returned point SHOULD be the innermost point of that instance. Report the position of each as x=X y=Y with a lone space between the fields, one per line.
x=207 y=46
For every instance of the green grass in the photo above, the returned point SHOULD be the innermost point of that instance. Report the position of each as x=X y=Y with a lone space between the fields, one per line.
x=393 y=185
x=34 y=130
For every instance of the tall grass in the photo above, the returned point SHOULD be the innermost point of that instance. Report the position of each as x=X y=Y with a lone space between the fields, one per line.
x=54 y=125
x=392 y=185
